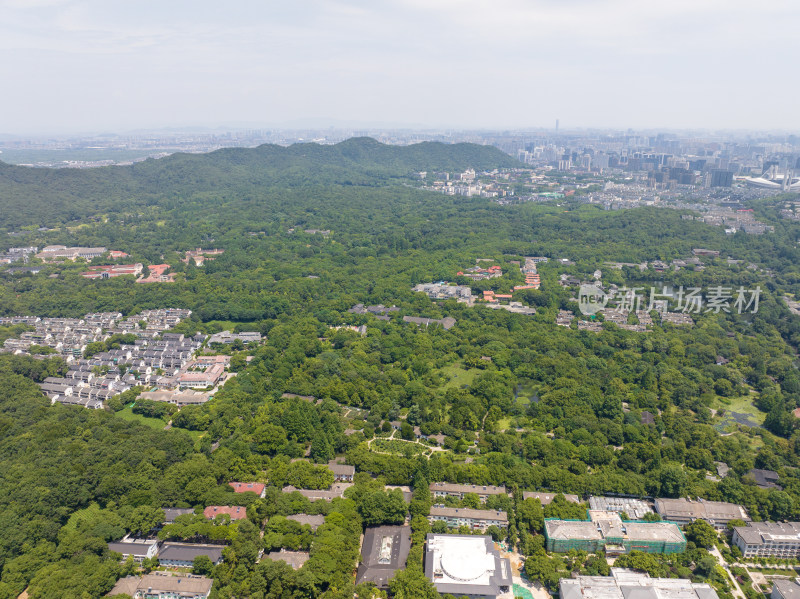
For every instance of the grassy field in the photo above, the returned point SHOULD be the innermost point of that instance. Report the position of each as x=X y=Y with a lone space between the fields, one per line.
x=504 y=424
x=459 y=376
x=398 y=447
x=154 y=423
x=740 y=410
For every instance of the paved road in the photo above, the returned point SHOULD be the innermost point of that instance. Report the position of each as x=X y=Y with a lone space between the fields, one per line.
x=737 y=590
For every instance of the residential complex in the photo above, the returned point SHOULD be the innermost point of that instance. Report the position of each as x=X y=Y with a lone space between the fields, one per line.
x=685 y=511
x=627 y=584
x=768 y=539
x=605 y=531
x=155 y=357
x=467 y=565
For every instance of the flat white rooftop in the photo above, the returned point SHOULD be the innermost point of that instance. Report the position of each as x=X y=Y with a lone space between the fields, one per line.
x=627 y=584
x=466 y=565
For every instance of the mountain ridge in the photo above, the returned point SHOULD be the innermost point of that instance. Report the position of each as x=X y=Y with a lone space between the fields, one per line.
x=30 y=195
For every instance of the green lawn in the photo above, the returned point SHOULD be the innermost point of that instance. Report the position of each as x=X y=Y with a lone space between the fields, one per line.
x=459 y=377
x=739 y=409
x=154 y=423
x=504 y=424
x=398 y=447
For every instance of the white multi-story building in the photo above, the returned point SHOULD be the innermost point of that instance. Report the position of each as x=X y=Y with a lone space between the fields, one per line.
x=768 y=539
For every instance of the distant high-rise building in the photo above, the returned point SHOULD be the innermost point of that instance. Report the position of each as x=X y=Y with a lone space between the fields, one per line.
x=721 y=178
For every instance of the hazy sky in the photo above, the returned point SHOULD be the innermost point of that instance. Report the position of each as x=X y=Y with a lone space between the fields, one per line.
x=103 y=65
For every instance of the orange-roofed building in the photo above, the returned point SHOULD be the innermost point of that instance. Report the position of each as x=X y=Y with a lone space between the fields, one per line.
x=257 y=488
x=158 y=274
x=236 y=512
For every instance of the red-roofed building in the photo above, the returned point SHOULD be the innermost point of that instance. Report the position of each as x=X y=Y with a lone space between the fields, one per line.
x=117 y=254
x=236 y=512
x=257 y=488
x=158 y=274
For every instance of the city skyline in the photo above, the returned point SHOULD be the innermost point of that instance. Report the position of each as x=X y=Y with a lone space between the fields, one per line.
x=82 y=66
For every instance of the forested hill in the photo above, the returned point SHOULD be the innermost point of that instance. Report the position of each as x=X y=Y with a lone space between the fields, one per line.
x=47 y=196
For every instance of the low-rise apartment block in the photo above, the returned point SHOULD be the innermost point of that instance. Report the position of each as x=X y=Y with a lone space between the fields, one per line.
x=461 y=516
x=458 y=490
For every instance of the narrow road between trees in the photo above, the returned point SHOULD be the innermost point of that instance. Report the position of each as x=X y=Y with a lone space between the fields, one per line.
x=737 y=590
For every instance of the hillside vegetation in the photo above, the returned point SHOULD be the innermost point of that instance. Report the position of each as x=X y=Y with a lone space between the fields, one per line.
x=49 y=196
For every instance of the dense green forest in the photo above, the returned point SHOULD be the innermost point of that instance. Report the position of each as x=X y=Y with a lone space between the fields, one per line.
x=46 y=197
x=519 y=401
